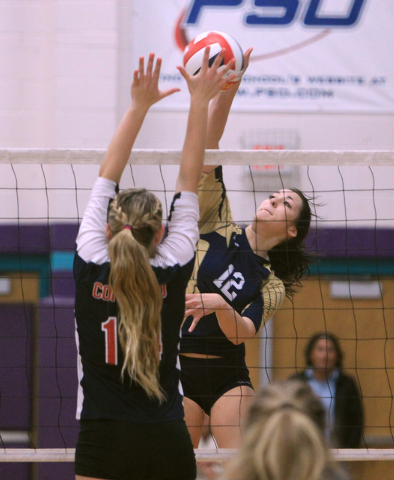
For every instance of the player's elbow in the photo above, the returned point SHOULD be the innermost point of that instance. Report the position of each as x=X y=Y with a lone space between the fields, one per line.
x=248 y=331
x=237 y=340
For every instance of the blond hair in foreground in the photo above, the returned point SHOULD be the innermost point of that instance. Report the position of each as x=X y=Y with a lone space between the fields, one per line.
x=135 y=286
x=283 y=437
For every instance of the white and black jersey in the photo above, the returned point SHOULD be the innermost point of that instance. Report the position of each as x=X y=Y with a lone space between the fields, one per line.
x=102 y=392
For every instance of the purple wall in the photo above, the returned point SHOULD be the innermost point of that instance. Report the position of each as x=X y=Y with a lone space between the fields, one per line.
x=57 y=426
x=57 y=382
x=352 y=242
x=335 y=242
x=37 y=239
x=16 y=342
x=15 y=379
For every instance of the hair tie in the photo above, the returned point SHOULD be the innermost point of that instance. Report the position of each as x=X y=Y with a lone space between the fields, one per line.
x=128 y=227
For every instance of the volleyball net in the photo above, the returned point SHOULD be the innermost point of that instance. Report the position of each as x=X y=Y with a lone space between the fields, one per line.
x=44 y=194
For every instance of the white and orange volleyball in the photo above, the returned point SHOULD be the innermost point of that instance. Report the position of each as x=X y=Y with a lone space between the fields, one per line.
x=217 y=41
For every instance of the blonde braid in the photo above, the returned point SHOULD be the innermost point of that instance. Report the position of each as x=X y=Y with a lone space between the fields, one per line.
x=134 y=283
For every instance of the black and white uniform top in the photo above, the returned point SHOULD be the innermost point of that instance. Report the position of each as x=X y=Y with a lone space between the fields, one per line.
x=102 y=394
x=226 y=264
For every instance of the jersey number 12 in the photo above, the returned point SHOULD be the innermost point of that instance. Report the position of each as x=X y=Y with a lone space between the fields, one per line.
x=230 y=280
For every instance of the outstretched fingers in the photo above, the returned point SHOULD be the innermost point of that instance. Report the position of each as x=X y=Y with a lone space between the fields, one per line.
x=141 y=67
x=136 y=77
x=146 y=75
x=145 y=87
x=205 y=59
x=218 y=59
x=149 y=67
x=247 y=55
x=221 y=70
x=156 y=72
x=209 y=80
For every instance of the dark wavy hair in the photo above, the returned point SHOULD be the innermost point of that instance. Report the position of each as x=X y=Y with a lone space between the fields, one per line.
x=290 y=260
x=326 y=336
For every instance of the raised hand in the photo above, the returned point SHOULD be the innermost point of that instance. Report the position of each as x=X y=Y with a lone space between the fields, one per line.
x=145 y=87
x=144 y=93
x=232 y=91
x=209 y=80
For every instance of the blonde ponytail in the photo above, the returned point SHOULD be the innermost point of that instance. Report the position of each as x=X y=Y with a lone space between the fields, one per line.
x=135 y=286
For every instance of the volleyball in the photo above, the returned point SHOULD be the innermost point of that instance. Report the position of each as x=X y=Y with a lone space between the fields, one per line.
x=194 y=52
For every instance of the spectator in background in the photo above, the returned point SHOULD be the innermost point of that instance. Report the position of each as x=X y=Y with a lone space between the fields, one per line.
x=338 y=391
x=284 y=437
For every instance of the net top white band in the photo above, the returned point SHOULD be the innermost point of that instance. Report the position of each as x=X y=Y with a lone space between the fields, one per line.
x=213 y=157
x=68 y=455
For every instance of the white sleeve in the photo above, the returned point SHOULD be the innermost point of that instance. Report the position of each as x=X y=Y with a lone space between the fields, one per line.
x=92 y=240
x=179 y=245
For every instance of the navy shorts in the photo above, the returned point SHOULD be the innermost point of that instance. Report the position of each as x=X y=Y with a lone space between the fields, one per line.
x=118 y=450
x=205 y=380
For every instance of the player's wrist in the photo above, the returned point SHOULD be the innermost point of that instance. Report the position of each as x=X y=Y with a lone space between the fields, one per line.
x=199 y=102
x=137 y=111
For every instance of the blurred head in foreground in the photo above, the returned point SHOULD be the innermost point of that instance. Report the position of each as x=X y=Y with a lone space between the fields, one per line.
x=284 y=436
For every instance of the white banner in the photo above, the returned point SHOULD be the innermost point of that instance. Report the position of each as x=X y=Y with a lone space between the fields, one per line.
x=309 y=55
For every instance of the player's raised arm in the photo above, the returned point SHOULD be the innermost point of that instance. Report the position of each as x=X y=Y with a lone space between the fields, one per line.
x=202 y=87
x=219 y=110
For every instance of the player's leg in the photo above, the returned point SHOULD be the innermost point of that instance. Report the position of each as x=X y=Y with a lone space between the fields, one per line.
x=194 y=418
x=228 y=416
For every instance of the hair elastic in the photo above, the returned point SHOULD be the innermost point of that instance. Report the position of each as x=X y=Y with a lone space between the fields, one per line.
x=128 y=227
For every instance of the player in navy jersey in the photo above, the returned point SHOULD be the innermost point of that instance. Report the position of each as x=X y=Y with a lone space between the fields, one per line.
x=241 y=276
x=129 y=307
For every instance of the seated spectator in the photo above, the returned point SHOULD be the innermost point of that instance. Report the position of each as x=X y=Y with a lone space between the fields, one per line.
x=284 y=437
x=337 y=391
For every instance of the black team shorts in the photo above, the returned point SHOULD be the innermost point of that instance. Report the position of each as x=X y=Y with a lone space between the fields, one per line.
x=117 y=450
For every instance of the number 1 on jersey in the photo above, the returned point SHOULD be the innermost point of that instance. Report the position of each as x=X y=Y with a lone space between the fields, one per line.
x=111 y=340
